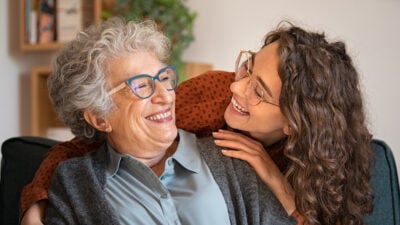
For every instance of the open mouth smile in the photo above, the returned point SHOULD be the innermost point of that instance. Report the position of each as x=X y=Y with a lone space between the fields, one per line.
x=160 y=116
x=238 y=108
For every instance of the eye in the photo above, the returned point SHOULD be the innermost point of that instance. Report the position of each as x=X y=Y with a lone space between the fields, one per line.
x=258 y=91
x=139 y=85
x=168 y=78
x=165 y=78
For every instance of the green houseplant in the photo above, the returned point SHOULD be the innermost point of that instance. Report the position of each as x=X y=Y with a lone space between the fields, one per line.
x=173 y=16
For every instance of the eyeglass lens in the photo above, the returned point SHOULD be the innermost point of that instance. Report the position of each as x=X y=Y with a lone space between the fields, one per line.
x=144 y=85
x=243 y=65
x=256 y=94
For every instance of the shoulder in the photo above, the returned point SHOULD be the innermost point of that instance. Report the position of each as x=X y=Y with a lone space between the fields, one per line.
x=83 y=163
x=218 y=77
x=80 y=173
x=207 y=147
x=223 y=164
x=73 y=148
x=203 y=85
x=201 y=102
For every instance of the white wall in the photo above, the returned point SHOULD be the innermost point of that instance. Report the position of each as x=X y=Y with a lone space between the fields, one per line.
x=370 y=29
x=223 y=27
x=15 y=74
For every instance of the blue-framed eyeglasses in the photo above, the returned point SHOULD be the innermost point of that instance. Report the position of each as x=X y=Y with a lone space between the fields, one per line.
x=143 y=85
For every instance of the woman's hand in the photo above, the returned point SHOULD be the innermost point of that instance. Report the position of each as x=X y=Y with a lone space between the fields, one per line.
x=239 y=146
x=35 y=214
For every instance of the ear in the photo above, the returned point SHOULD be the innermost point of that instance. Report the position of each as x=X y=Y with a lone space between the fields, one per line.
x=286 y=130
x=100 y=124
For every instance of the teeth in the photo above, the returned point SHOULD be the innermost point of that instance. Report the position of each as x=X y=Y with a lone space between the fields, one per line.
x=160 y=116
x=238 y=107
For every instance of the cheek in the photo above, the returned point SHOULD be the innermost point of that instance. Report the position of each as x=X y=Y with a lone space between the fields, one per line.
x=268 y=119
x=173 y=94
x=126 y=113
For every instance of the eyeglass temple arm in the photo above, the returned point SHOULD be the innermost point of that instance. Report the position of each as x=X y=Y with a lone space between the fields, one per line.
x=117 y=88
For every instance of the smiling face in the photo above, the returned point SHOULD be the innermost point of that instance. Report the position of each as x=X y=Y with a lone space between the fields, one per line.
x=263 y=121
x=143 y=128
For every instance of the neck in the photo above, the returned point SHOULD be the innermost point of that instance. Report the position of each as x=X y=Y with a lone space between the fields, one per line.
x=277 y=153
x=158 y=168
x=149 y=154
x=153 y=160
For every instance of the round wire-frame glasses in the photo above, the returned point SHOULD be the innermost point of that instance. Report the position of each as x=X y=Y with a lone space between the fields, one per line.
x=244 y=68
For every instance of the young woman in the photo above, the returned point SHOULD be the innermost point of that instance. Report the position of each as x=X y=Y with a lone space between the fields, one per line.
x=298 y=101
x=303 y=93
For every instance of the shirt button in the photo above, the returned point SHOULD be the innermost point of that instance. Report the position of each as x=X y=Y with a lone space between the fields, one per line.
x=169 y=162
x=164 y=196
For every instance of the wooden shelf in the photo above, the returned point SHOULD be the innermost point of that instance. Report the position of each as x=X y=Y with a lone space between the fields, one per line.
x=24 y=46
x=43 y=113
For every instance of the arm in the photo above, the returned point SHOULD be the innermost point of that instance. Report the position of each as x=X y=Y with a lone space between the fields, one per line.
x=35 y=214
x=36 y=191
x=76 y=194
x=61 y=212
x=201 y=102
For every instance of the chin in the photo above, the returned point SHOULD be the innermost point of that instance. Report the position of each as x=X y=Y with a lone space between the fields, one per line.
x=171 y=133
x=231 y=120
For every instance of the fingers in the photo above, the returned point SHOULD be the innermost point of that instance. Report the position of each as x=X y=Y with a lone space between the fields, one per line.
x=239 y=146
x=236 y=141
x=236 y=154
x=231 y=135
x=226 y=134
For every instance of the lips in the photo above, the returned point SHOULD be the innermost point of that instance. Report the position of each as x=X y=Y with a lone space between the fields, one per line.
x=163 y=116
x=238 y=108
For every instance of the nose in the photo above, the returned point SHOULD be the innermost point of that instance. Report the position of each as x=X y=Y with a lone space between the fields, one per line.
x=239 y=87
x=161 y=94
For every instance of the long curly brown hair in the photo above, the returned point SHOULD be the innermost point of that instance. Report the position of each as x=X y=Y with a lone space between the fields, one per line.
x=329 y=142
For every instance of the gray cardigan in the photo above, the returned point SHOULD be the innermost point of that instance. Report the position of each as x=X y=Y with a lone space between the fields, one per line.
x=77 y=195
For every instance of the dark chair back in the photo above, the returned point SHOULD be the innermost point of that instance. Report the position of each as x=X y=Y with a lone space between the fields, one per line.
x=21 y=157
x=385 y=184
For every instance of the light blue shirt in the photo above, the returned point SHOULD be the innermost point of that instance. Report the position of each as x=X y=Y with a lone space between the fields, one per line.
x=186 y=192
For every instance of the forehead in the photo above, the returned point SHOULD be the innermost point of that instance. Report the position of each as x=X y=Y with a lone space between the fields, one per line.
x=266 y=62
x=267 y=58
x=121 y=68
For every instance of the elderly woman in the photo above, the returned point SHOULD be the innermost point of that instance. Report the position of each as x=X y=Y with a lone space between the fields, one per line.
x=113 y=86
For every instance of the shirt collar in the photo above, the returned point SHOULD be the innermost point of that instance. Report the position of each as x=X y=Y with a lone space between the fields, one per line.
x=115 y=161
x=187 y=154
